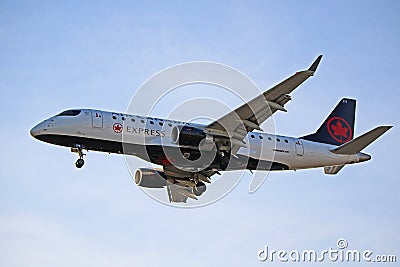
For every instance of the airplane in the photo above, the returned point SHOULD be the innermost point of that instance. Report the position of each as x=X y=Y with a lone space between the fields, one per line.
x=189 y=153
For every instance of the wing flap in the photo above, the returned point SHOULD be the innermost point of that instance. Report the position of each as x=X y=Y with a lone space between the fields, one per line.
x=288 y=85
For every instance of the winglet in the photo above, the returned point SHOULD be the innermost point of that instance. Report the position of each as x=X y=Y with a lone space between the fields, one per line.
x=314 y=66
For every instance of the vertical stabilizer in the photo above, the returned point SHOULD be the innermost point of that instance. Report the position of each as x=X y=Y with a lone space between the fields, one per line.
x=338 y=128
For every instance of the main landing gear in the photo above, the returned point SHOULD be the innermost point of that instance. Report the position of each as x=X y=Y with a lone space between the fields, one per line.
x=80 y=162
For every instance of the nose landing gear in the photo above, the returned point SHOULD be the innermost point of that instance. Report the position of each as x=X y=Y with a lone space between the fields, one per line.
x=80 y=162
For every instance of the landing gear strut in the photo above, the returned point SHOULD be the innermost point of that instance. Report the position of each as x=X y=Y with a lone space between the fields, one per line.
x=80 y=162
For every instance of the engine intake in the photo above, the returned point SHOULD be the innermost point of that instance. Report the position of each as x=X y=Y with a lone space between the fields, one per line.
x=187 y=136
x=150 y=178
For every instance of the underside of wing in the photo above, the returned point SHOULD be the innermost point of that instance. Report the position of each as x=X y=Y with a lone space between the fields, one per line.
x=249 y=116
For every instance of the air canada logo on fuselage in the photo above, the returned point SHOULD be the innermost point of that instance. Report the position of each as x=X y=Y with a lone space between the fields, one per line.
x=339 y=129
x=117 y=127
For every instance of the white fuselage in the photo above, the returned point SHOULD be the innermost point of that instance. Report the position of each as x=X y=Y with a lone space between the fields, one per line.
x=105 y=131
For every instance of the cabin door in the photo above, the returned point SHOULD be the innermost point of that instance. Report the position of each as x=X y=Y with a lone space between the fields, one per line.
x=97 y=119
x=299 y=148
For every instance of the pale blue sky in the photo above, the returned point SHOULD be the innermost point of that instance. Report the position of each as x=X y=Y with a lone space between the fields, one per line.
x=58 y=55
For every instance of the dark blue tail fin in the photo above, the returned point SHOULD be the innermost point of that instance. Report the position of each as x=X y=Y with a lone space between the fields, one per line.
x=338 y=128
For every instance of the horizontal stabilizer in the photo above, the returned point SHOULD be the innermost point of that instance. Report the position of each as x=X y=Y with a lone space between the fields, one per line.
x=356 y=145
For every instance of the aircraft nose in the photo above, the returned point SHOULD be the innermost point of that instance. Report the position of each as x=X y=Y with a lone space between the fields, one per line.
x=363 y=157
x=39 y=129
x=35 y=131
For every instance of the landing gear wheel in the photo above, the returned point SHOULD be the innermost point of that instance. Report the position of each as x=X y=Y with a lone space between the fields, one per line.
x=79 y=163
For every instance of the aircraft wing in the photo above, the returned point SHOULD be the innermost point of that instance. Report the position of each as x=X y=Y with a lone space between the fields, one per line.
x=181 y=184
x=251 y=115
x=177 y=193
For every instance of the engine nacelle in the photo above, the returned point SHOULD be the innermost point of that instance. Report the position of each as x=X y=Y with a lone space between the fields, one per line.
x=199 y=189
x=187 y=136
x=150 y=178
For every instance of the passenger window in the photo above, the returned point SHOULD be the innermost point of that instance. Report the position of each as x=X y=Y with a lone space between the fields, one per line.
x=160 y=123
x=286 y=141
x=114 y=117
x=123 y=118
x=151 y=122
x=278 y=140
x=142 y=121
x=261 y=137
x=252 y=136
x=133 y=120
x=269 y=138
x=170 y=124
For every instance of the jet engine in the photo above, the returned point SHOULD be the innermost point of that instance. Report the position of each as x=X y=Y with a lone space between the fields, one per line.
x=187 y=135
x=199 y=189
x=150 y=178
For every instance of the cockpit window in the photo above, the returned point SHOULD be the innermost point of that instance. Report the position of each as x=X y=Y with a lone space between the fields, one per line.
x=72 y=112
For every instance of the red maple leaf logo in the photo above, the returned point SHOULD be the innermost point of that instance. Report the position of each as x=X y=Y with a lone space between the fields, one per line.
x=339 y=130
x=117 y=127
